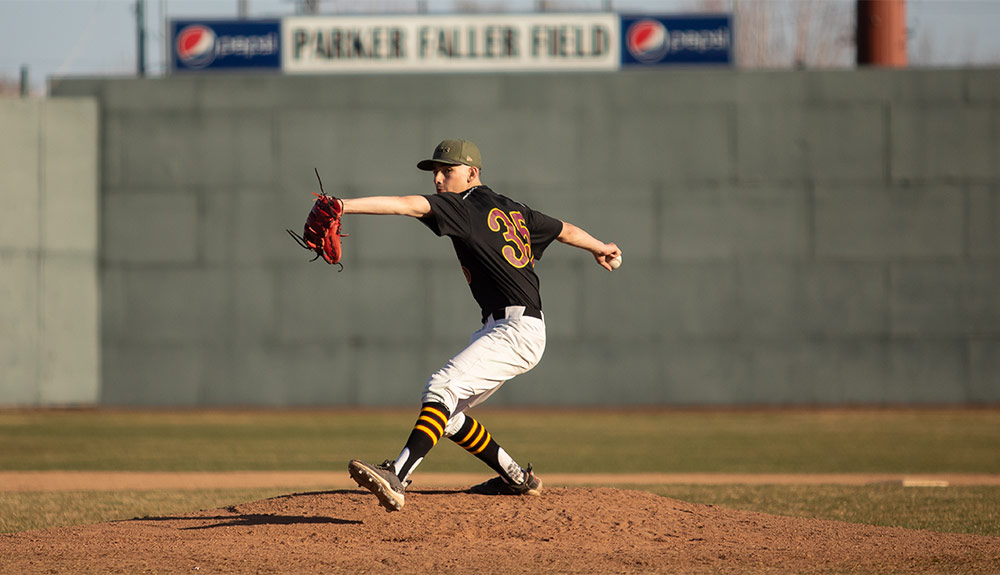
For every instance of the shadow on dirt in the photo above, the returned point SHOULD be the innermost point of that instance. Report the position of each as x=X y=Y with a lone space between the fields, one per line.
x=249 y=520
x=425 y=491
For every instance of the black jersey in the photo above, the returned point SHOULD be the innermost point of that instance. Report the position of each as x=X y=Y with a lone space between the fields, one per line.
x=497 y=241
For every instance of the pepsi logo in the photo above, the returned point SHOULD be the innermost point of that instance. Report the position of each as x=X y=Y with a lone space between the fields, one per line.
x=647 y=40
x=196 y=46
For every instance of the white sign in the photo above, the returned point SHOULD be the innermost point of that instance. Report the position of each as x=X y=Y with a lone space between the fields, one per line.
x=473 y=43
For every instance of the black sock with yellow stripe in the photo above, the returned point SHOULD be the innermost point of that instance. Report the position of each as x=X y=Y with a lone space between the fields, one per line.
x=426 y=432
x=474 y=438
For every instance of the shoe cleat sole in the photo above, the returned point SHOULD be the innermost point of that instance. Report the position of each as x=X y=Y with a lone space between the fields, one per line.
x=373 y=482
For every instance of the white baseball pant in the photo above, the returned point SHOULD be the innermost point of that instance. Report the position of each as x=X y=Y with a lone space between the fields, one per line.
x=502 y=349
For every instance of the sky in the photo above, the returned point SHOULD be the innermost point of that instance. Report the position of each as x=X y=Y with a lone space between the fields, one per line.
x=57 y=38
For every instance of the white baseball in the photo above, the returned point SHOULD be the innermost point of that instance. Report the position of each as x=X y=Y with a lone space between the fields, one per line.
x=615 y=262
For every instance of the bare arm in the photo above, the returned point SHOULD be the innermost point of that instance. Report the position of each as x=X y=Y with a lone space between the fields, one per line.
x=579 y=238
x=413 y=206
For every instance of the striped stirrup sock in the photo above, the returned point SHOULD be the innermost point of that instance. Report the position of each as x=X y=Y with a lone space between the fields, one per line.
x=433 y=417
x=474 y=438
x=426 y=432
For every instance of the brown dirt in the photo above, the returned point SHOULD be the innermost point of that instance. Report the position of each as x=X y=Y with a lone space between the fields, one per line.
x=566 y=530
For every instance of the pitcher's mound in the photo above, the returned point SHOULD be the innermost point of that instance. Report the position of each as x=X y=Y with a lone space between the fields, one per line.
x=563 y=531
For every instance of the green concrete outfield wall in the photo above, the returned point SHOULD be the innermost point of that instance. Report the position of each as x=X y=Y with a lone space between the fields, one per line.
x=49 y=319
x=789 y=237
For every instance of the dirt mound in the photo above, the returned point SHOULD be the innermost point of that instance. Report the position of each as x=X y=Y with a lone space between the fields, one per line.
x=565 y=531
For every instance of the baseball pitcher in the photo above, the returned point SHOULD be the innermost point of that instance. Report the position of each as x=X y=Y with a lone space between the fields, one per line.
x=497 y=241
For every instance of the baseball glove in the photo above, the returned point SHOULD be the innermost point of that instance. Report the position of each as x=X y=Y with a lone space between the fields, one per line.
x=322 y=230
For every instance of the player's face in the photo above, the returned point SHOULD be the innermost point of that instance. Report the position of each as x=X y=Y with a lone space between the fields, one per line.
x=454 y=179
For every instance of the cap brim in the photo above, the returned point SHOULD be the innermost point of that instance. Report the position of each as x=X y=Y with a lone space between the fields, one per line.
x=428 y=165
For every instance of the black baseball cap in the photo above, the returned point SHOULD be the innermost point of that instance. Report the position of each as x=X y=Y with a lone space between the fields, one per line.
x=453 y=152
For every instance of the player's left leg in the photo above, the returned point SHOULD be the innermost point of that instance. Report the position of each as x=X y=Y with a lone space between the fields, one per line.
x=497 y=352
x=500 y=351
x=426 y=432
x=388 y=481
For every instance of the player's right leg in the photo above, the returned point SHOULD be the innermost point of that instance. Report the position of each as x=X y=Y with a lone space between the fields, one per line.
x=511 y=478
x=498 y=352
x=530 y=485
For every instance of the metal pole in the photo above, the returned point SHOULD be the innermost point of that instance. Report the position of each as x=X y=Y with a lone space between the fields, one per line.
x=881 y=33
x=140 y=25
x=243 y=9
x=25 y=86
x=166 y=39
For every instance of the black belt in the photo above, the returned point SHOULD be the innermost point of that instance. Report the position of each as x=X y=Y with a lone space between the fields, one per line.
x=501 y=313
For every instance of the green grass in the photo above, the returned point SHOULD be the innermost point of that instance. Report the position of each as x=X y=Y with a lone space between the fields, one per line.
x=23 y=511
x=733 y=441
x=970 y=509
x=833 y=441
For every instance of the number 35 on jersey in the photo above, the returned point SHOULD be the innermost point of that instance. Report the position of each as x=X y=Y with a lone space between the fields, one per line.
x=517 y=251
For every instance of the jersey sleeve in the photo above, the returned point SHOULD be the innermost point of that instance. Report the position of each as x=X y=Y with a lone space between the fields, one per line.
x=544 y=229
x=449 y=216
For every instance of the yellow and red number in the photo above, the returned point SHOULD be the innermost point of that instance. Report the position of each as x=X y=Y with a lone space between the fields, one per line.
x=517 y=252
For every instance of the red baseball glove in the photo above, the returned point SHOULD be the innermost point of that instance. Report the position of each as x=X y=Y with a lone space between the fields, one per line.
x=322 y=230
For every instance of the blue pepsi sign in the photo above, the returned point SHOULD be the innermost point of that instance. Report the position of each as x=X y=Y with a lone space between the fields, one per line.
x=673 y=40
x=225 y=44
